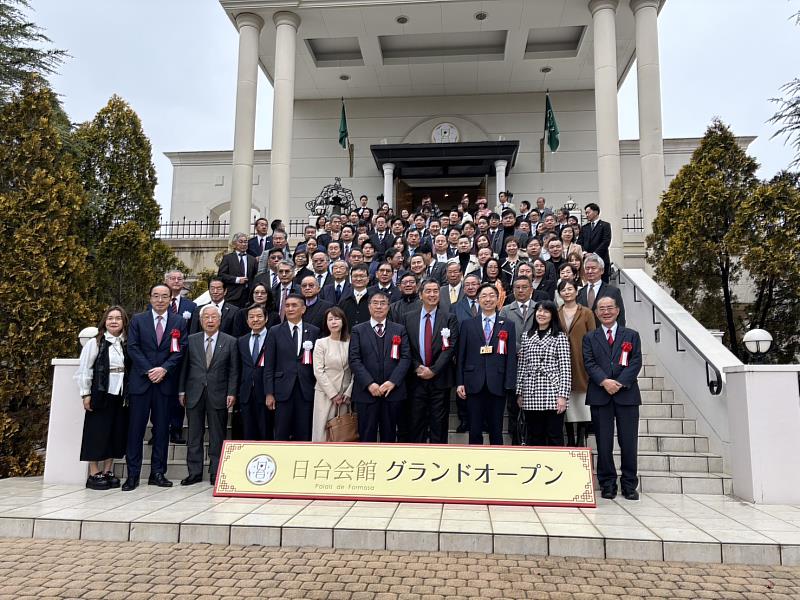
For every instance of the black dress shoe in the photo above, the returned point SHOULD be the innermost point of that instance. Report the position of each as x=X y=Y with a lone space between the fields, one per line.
x=97 y=481
x=131 y=483
x=177 y=439
x=192 y=479
x=630 y=494
x=609 y=493
x=159 y=480
x=113 y=480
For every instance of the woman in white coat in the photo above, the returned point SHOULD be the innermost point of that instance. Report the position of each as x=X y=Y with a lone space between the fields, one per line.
x=332 y=370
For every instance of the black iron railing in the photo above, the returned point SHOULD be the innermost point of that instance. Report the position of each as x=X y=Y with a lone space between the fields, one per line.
x=633 y=223
x=207 y=229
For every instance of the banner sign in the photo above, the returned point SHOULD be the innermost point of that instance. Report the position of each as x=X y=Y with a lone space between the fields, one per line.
x=407 y=473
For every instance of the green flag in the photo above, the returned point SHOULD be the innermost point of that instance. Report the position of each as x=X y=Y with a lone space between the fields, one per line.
x=343 y=135
x=550 y=125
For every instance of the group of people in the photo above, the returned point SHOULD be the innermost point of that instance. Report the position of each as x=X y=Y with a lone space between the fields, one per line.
x=391 y=316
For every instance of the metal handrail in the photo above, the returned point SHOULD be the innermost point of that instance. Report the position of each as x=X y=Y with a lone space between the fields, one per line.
x=714 y=385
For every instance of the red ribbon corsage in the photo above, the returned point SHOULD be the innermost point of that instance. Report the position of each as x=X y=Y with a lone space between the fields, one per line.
x=503 y=341
x=175 y=334
x=396 y=347
x=627 y=347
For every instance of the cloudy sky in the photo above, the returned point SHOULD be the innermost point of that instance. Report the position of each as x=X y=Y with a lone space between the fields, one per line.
x=174 y=61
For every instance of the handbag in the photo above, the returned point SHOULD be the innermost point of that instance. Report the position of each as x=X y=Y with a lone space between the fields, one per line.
x=522 y=428
x=342 y=427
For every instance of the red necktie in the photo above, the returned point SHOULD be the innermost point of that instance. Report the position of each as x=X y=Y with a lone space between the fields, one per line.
x=610 y=338
x=428 y=340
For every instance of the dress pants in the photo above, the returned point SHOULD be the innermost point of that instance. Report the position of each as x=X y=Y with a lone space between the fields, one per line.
x=217 y=419
x=152 y=405
x=377 y=416
x=176 y=415
x=513 y=418
x=258 y=422
x=429 y=412
x=486 y=406
x=545 y=427
x=293 y=417
x=627 y=420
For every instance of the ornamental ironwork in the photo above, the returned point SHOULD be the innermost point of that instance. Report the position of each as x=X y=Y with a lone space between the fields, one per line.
x=332 y=200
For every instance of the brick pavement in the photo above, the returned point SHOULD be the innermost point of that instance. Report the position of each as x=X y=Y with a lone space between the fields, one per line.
x=31 y=568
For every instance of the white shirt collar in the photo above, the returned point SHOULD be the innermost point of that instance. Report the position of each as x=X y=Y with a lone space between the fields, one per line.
x=613 y=330
x=156 y=315
x=213 y=337
x=374 y=323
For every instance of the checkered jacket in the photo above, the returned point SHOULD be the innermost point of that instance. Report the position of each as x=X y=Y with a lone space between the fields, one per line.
x=544 y=370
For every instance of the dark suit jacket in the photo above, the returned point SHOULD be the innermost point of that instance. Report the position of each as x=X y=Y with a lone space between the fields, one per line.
x=367 y=363
x=442 y=363
x=146 y=354
x=606 y=290
x=438 y=272
x=356 y=312
x=444 y=298
x=315 y=313
x=253 y=249
x=251 y=376
x=276 y=293
x=220 y=379
x=228 y=324
x=241 y=327
x=283 y=367
x=597 y=241
x=230 y=269
x=602 y=362
x=328 y=292
x=381 y=247
x=497 y=371
x=394 y=292
x=462 y=310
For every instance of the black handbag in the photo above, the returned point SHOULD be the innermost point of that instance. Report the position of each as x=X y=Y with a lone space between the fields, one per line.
x=522 y=428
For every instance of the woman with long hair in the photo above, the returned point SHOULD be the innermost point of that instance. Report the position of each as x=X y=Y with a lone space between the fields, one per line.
x=334 y=385
x=262 y=296
x=102 y=379
x=493 y=273
x=544 y=377
x=569 y=241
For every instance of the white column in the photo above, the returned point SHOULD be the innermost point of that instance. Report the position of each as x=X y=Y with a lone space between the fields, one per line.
x=609 y=179
x=500 y=179
x=388 y=184
x=282 y=113
x=648 y=77
x=244 y=130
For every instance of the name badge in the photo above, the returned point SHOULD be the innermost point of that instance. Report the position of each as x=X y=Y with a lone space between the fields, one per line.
x=486 y=349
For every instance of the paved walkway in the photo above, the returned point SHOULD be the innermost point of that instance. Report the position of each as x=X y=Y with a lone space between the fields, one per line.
x=32 y=568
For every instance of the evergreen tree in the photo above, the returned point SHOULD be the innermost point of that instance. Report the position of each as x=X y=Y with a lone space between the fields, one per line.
x=21 y=49
x=694 y=248
x=43 y=274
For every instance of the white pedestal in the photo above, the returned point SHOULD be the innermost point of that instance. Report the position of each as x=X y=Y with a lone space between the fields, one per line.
x=65 y=431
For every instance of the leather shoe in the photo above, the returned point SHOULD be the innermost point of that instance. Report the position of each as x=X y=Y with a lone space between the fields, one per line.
x=609 y=493
x=131 y=483
x=192 y=479
x=630 y=494
x=159 y=480
x=177 y=439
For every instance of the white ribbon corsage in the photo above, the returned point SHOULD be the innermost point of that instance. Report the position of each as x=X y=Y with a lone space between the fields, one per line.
x=445 y=338
x=308 y=346
x=187 y=315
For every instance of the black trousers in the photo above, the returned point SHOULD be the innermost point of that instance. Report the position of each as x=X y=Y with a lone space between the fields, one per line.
x=217 y=419
x=545 y=427
x=379 y=416
x=152 y=405
x=485 y=405
x=258 y=422
x=513 y=417
x=627 y=420
x=176 y=415
x=293 y=417
x=430 y=411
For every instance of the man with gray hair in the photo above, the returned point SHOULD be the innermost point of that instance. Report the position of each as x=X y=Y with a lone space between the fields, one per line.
x=237 y=270
x=285 y=286
x=596 y=288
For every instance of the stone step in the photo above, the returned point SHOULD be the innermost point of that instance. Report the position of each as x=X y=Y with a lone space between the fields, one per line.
x=672 y=425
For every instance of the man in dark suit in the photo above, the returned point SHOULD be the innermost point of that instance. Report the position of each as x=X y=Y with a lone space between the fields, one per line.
x=596 y=236
x=285 y=287
x=432 y=340
x=487 y=367
x=315 y=306
x=468 y=307
x=612 y=356
x=237 y=270
x=319 y=265
x=208 y=385
x=260 y=241
x=354 y=304
x=521 y=313
x=379 y=359
x=383 y=275
x=156 y=343
x=596 y=288
x=288 y=373
x=433 y=268
x=381 y=238
x=340 y=287
x=230 y=313
x=258 y=422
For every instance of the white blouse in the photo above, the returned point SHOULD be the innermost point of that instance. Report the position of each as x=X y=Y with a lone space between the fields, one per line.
x=116 y=359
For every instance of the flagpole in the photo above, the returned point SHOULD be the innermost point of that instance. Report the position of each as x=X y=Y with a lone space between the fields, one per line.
x=544 y=133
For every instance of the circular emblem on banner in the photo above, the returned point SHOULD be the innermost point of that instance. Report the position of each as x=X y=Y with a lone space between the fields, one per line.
x=445 y=133
x=261 y=469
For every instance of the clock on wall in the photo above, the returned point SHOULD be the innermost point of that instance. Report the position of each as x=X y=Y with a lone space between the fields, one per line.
x=445 y=133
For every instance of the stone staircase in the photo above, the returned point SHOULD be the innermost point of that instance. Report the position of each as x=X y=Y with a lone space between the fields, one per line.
x=673 y=458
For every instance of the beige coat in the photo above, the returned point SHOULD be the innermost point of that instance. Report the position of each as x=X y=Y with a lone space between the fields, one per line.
x=581 y=324
x=332 y=370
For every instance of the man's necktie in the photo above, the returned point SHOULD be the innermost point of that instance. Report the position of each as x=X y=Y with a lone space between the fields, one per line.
x=524 y=308
x=487 y=330
x=379 y=330
x=338 y=292
x=428 y=340
x=473 y=308
x=295 y=338
x=261 y=246
x=428 y=270
x=174 y=306
x=453 y=296
x=209 y=352
x=274 y=280
x=159 y=330
x=590 y=297
x=284 y=293
x=256 y=348
x=610 y=338
x=242 y=265
x=319 y=280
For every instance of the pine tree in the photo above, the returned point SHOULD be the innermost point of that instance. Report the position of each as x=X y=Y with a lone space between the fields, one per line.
x=43 y=274
x=694 y=248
